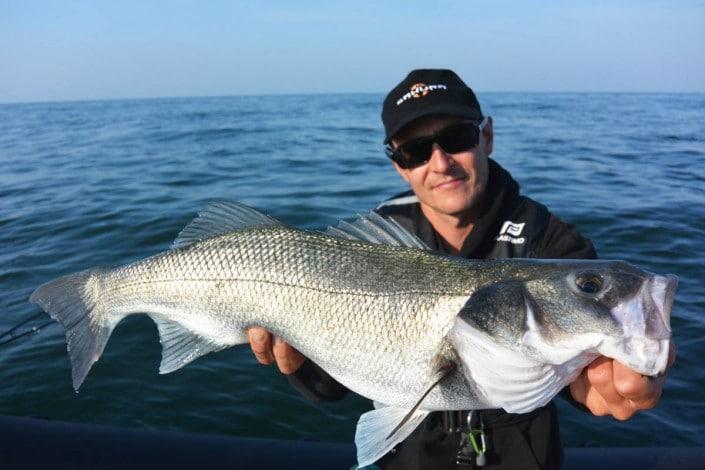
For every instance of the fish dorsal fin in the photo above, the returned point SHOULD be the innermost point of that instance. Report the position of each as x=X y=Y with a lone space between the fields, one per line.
x=219 y=218
x=374 y=228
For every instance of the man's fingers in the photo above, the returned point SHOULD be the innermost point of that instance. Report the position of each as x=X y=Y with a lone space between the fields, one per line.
x=583 y=390
x=578 y=388
x=261 y=344
x=600 y=376
x=618 y=390
x=287 y=357
x=268 y=349
x=603 y=398
x=598 y=405
x=634 y=386
x=607 y=387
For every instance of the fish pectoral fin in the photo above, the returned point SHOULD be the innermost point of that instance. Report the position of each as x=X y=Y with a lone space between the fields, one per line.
x=219 y=218
x=378 y=431
x=180 y=345
x=441 y=374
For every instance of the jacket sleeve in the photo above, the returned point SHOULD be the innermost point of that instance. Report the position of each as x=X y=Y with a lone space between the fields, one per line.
x=315 y=384
x=562 y=241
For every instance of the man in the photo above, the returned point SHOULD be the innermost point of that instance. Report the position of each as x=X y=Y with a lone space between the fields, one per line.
x=465 y=204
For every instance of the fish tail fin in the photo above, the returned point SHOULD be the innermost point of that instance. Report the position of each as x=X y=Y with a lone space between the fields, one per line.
x=73 y=301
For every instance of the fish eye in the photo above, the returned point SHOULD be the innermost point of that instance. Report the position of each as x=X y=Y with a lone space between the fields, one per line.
x=589 y=282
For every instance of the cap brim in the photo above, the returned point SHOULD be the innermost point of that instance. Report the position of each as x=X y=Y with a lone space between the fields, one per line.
x=447 y=109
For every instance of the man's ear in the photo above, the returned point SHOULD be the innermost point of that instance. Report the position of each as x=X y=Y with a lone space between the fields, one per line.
x=404 y=173
x=488 y=135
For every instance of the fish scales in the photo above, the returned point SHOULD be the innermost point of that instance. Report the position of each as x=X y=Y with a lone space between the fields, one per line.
x=303 y=286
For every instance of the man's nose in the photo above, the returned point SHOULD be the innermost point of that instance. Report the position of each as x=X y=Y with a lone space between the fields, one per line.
x=440 y=160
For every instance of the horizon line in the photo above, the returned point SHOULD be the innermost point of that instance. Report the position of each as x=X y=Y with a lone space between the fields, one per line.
x=264 y=95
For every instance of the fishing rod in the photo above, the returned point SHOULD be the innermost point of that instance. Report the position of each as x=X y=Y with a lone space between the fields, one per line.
x=15 y=336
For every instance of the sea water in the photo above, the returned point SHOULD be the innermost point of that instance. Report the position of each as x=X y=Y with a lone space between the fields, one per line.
x=95 y=183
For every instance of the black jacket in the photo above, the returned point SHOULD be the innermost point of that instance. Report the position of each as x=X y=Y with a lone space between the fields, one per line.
x=511 y=226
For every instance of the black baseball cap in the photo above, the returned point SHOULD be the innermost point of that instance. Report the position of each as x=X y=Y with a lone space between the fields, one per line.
x=424 y=92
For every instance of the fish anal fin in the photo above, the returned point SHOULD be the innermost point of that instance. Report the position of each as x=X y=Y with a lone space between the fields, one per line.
x=181 y=346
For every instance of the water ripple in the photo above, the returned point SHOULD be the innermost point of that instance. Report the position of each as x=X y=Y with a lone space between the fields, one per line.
x=102 y=183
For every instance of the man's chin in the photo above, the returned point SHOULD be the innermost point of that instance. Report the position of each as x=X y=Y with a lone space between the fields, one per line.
x=462 y=206
x=460 y=209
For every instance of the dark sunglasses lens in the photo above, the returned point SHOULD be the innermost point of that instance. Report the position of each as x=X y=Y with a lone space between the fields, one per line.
x=453 y=140
x=459 y=138
x=396 y=156
x=416 y=153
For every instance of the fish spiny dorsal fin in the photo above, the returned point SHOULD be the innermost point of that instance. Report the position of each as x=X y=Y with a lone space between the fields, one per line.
x=219 y=218
x=374 y=228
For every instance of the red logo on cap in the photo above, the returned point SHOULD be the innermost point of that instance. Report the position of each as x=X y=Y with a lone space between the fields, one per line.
x=419 y=90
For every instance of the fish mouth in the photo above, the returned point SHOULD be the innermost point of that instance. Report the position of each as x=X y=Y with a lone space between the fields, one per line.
x=646 y=326
x=648 y=313
x=662 y=290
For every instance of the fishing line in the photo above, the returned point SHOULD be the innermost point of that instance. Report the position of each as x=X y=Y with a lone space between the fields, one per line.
x=35 y=329
x=24 y=322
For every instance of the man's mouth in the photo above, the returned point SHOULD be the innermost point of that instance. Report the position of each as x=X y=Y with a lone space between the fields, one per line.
x=451 y=183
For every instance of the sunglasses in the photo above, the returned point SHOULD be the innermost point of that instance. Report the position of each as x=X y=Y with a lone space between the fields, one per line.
x=453 y=139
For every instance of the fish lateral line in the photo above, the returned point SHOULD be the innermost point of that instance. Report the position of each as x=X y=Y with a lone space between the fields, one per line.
x=284 y=284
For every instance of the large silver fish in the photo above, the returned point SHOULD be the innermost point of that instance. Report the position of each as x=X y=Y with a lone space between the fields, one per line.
x=413 y=330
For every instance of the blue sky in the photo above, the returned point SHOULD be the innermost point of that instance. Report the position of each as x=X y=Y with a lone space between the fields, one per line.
x=68 y=50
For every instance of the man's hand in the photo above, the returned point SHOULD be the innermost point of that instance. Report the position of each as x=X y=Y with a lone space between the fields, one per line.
x=269 y=348
x=608 y=387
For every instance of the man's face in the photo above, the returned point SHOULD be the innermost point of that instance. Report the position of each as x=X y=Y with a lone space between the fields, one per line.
x=449 y=184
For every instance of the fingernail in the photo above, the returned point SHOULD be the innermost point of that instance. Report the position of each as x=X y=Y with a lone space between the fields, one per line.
x=257 y=336
x=278 y=340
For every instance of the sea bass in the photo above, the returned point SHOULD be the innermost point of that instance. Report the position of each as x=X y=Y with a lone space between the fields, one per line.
x=413 y=330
